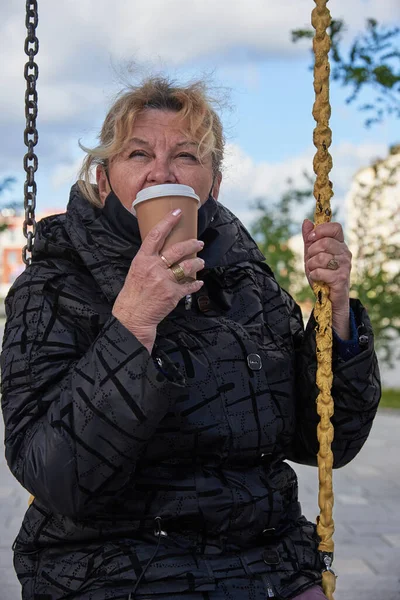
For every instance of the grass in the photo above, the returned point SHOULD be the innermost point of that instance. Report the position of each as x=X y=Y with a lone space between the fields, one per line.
x=390 y=398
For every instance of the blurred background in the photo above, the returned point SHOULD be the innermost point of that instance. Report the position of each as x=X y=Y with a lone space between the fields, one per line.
x=256 y=58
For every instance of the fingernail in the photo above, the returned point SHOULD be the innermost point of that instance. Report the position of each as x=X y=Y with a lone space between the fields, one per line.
x=201 y=243
x=311 y=236
x=177 y=212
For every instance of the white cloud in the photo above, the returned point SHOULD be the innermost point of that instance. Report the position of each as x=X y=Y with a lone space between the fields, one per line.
x=65 y=174
x=82 y=42
x=179 y=31
x=246 y=180
x=80 y=39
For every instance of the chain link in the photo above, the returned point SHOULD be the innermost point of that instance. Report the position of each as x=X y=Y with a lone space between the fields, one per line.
x=31 y=74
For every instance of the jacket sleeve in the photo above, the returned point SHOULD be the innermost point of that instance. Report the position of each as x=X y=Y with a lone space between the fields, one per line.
x=79 y=402
x=356 y=392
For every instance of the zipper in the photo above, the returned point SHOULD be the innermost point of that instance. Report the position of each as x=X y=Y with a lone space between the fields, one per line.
x=269 y=586
x=188 y=301
x=327 y=557
x=159 y=533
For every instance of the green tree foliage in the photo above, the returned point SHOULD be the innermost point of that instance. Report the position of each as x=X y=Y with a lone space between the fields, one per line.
x=372 y=62
x=374 y=239
x=276 y=223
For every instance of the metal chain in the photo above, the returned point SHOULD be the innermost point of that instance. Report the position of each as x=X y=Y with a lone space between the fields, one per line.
x=31 y=74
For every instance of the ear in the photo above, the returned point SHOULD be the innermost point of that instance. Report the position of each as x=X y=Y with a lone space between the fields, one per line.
x=102 y=183
x=217 y=185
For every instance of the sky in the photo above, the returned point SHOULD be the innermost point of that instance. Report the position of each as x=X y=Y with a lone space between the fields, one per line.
x=89 y=49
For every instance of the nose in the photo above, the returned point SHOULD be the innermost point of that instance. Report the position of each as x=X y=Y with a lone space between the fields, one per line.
x=161 y=172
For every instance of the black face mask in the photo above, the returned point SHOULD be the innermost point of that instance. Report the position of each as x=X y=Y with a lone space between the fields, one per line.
x=126 y=224
x=121 y=219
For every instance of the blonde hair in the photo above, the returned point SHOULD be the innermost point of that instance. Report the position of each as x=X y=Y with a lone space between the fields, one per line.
x=192 y=106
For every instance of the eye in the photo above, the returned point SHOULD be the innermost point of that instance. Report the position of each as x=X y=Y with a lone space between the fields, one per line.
x=189 y=156
x=138 y=153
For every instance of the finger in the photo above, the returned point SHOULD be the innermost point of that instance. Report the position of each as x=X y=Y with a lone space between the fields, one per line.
x=192 y=266
x=320 y=261
x=155 y=239
x=332 y=230
x=189 y=269
x=179 y=250
x=328 y=245
x=191 y=287
x=332 y=278
x=306 y=229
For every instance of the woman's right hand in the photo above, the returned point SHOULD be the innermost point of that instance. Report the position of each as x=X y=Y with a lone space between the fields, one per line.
x=151 y=291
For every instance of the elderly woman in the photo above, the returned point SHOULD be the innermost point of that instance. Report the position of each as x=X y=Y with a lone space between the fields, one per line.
x=151 y=430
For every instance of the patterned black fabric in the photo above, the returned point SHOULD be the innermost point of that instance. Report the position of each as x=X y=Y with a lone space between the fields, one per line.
x=107 y=442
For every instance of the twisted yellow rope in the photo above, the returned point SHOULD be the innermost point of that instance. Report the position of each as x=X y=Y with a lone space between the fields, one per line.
x=323 y=309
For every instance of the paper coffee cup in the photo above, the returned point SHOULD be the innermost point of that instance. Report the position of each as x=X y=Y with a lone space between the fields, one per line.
x=152 y=204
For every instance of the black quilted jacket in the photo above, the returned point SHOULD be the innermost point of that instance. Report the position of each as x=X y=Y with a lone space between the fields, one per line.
x=185 y=447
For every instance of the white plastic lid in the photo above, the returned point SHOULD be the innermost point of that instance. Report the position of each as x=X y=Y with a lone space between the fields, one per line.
x=166 y=189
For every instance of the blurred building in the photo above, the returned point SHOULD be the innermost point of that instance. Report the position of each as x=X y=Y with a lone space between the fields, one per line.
x=373 y=225
x=12 y=241
x=373 y=209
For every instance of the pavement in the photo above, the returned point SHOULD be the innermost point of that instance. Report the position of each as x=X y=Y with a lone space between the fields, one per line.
x=366 y=512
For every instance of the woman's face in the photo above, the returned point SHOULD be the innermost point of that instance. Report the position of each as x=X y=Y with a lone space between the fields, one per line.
x=158 y=152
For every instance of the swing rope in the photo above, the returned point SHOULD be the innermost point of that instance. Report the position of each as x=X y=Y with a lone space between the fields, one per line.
x=321 y=19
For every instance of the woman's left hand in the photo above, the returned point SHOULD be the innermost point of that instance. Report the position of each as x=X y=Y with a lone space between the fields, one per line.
x=328 y=259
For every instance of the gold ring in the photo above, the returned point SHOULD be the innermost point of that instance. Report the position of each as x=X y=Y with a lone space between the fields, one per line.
x=333 y=264
x=165 y=260
x=178 y=272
